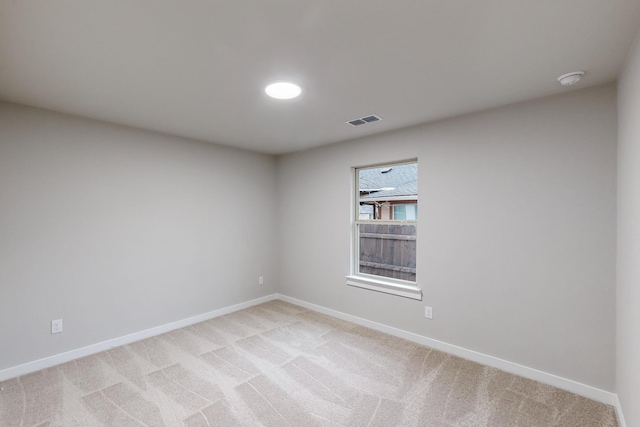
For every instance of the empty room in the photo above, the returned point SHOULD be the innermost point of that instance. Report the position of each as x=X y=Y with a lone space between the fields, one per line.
x=316 y=213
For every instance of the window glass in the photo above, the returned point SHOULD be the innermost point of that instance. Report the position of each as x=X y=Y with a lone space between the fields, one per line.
x=405 y=212
x=386 y=221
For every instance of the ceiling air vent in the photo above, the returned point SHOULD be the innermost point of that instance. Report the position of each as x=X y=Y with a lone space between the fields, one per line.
x=371 y=119
x=364 y=120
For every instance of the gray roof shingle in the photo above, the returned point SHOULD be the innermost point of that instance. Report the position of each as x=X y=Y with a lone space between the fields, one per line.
x=400 y=180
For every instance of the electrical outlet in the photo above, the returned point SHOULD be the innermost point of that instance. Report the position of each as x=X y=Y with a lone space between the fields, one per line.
x=428 y=312
x=56 y=326
x=261 y=280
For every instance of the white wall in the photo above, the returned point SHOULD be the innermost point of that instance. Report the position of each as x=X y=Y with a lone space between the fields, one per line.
x=516 y=249
x=628 y=252
x=117 y=230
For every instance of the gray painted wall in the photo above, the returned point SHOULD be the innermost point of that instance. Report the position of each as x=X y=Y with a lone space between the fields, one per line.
x=117 y=230
x=517 y=232
x=628 y=252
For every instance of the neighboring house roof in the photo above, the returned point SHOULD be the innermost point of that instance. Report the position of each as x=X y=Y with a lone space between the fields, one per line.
x=389 y=182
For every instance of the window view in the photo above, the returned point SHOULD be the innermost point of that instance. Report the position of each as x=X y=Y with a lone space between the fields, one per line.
x=386 y=221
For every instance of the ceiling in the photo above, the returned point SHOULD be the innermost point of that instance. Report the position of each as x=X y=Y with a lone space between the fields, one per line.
x=197 y=68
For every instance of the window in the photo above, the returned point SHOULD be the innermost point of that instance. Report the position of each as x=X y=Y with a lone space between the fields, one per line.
x=405 y=212
x=385 y=229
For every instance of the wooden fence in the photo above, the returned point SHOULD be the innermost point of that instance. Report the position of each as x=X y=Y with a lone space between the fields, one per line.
x=388 y=250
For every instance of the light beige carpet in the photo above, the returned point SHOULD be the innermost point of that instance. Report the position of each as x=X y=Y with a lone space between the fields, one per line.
x=277 y=364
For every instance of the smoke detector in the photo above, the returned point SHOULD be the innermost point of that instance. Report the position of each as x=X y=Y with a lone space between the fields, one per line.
x=570 y=78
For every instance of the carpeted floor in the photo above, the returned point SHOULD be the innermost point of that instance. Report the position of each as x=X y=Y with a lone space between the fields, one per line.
x=277 y=364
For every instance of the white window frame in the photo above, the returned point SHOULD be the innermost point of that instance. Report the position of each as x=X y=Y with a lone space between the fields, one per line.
x=389 y=285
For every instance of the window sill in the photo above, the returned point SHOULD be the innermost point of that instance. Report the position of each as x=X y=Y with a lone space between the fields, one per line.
x=407 y=291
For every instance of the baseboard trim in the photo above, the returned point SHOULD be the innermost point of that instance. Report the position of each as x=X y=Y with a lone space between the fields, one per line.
x=619 y=414
x=57 y=359
x=485 y=359
x=514 y=368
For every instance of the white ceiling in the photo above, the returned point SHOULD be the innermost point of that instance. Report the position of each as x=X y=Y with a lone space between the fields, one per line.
x=197 y=68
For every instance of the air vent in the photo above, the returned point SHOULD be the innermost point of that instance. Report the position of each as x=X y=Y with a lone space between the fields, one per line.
x=371 y=119
x=364 y=120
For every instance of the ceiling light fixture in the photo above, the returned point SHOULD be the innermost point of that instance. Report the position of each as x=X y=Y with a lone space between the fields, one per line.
x=283 y=90
x=570 y=78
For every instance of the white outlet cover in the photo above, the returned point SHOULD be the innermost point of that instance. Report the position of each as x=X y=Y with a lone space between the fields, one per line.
x=428 y=312
x=56 y=326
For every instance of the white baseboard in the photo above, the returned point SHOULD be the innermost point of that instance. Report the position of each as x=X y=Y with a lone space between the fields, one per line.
x=514 y=368
x=57 y=359
x=504 y=365
x=619 y=414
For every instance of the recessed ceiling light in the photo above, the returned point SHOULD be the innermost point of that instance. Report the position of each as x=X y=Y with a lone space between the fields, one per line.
x=570 y=78
x=283 y=90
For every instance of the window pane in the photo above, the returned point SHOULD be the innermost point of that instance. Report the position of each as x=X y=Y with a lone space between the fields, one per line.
x=381 y=189
x=412 y=212
x=399 y=212
x=388 y=250
x=405 y=212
